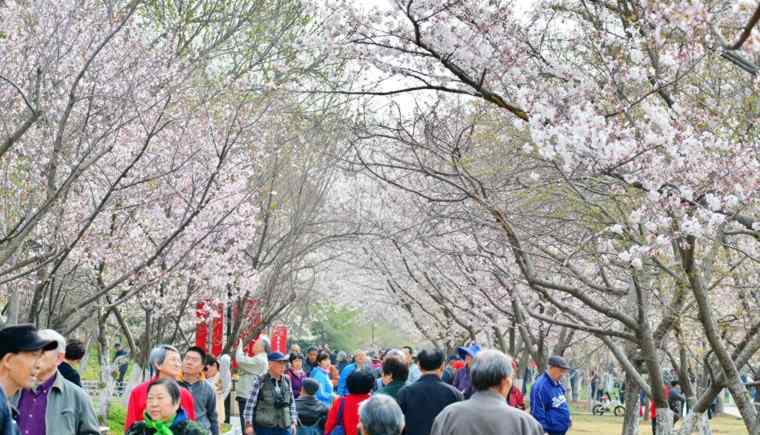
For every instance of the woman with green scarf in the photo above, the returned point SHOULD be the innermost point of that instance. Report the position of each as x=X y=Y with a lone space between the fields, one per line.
x=163 y=415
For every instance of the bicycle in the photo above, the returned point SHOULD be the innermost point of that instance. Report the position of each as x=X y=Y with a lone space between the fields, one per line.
x=607 y=405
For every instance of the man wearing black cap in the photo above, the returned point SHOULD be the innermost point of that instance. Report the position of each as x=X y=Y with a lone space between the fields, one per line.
x=55 y=406
x=271 y=407
x=20 y=351
x=548 y=403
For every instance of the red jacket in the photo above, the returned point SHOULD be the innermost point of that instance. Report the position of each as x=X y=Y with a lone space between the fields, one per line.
x=515 y=398
x=350 y=413
x=138 y=399
x=666 y=390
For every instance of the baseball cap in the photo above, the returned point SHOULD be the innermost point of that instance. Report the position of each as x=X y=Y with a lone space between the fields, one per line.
x=23 y=338
x=558 y=361
x=277 y=356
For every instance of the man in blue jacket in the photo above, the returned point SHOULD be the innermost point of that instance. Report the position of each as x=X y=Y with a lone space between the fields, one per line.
x=360 y=362
x=548 y=403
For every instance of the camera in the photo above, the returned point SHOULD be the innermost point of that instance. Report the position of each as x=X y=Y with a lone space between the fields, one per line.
x=280 y=401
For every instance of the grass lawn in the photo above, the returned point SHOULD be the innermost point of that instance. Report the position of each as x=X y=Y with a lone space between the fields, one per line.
x=611 y=425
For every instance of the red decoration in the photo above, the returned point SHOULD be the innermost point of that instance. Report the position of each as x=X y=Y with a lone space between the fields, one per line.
x=201 y=329
x=217 y=331
x=280 y=339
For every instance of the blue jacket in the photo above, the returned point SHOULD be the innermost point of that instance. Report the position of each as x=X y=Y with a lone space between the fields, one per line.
x=548 y=405
x=325 y=394
x=347 y=370
x=7 y=424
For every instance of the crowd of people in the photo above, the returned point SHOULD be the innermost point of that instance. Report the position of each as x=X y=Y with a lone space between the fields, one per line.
x=395 y=392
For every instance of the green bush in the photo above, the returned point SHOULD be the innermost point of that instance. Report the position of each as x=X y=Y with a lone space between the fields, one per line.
x=117 y=415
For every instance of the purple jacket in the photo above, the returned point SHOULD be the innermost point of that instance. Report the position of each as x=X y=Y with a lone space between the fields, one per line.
x=296 y=379
x=463 y=383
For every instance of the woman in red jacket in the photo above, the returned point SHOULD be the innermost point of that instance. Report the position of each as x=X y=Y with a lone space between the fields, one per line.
x=359 y=385
x=515 y=398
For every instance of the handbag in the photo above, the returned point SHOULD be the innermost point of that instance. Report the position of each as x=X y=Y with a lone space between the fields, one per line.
x=339 y=429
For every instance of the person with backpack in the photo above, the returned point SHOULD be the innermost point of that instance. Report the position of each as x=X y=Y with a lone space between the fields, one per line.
x=271 y=407
x=312 y=413
x=343 y=417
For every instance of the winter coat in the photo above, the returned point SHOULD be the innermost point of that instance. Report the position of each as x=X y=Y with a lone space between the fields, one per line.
x=180 y=426
x=422 y=401
x=325 y=394
x=486 y=413
x=350 y=413
x=296 y=379
x=138 y=400
x=515 y=398
x=463 y=383
x=311 y=411
x=392 y=389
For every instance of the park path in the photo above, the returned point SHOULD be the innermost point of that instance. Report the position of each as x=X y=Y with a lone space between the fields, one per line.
x=732 y=410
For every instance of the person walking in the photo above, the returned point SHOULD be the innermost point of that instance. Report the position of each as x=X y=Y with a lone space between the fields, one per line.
x=450 y=372
x=225 y=373
x=395 y=374
x=487 y=412
x=380 y=415
x=548 y=403
x=72 y=358
x=312 y=414
x=414 y=371
x=250 y=369
x=345 y=410
x=295 y=373
x=321 y=374
x=462 y=379
x=361 y=362
x=164 y=414
x=422 y=401
x=515 y=398
x=21 y=348
x=121 y=362
x=55 y=405
x=214 y=380
x=271 y=407
x=311 y=360
x=164 y=361
x=204 y=398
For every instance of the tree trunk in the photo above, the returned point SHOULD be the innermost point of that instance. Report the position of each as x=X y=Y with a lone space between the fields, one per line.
x=14 y=307
x=632 y=406
x=664 y=421
x=106 y=380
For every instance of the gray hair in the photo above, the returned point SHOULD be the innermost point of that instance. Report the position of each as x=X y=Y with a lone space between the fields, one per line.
x=397 y=353
x=266 y=343
x=158 y=355
x=49 y=334
x=381 y=415
x=489 y=368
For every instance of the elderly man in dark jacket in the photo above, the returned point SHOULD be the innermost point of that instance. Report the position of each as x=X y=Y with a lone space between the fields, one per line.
x=422 y=401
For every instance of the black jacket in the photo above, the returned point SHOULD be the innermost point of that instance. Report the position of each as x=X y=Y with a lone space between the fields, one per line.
x=423 y=400
x=311 y=411
x=69 y=373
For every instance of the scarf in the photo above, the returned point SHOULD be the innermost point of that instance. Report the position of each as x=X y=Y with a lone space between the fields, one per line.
x=160 y=427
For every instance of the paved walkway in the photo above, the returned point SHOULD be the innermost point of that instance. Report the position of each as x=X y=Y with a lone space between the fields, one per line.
x=731 y=410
